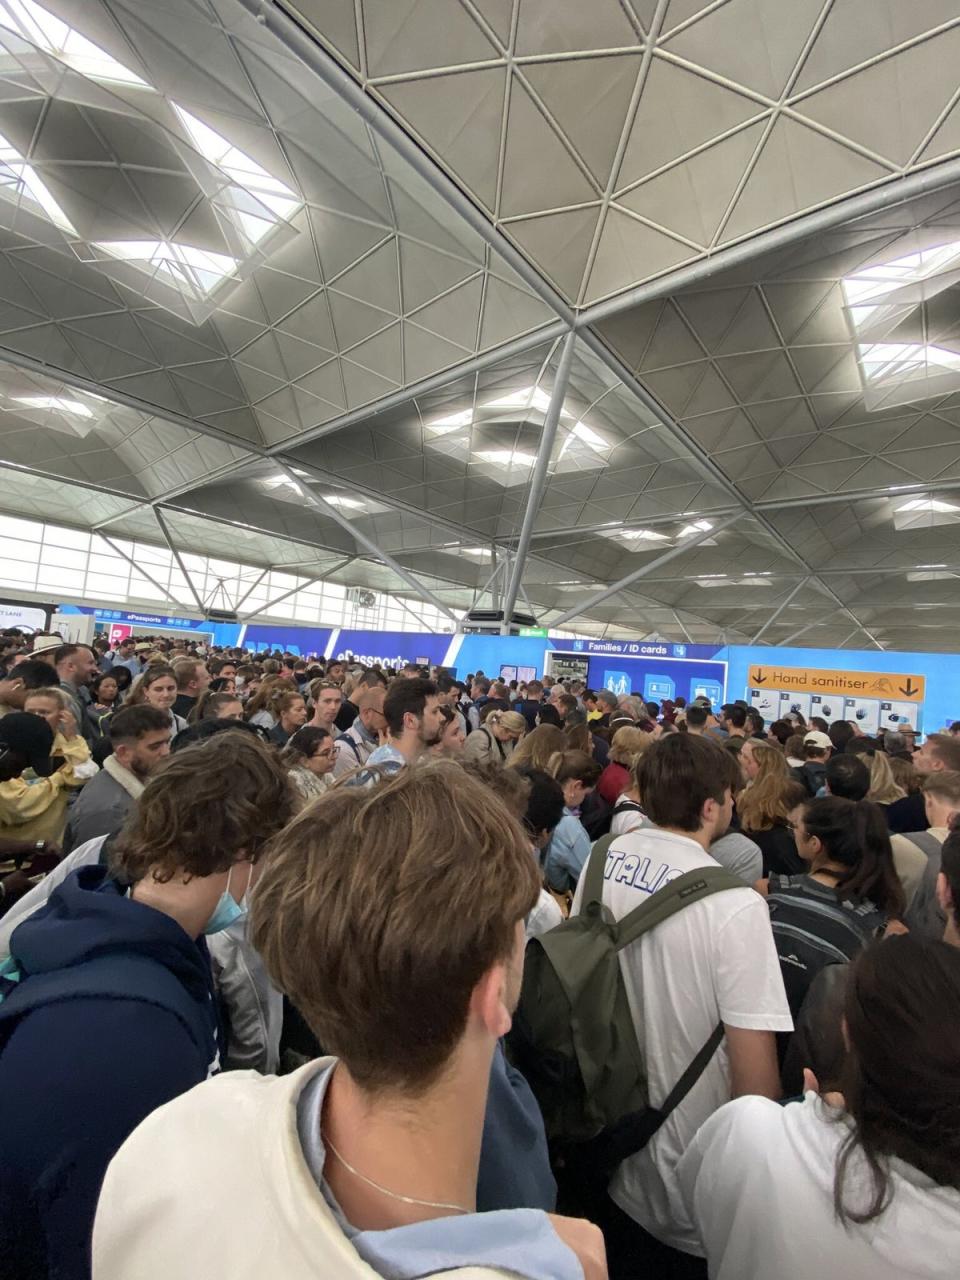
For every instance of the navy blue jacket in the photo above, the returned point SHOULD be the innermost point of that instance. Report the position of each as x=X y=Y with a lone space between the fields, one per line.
x=114 y=1015
x=514 y=1162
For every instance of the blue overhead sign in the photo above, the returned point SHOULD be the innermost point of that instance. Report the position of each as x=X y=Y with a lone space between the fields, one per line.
x=635 y=649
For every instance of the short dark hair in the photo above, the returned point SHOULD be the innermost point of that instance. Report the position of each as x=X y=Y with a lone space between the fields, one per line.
x=782 y=730
x=677 y=776
x=847 y=776
x=840 y=733
x=67 y=651
x=129 y=724
x=756 y=719
x=406 y=697
x=34 y=673
x=737 y=716
x=545 y=801
x=697 y=717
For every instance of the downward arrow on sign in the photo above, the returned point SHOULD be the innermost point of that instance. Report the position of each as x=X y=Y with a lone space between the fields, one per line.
x=759 y=678
x=909 y=689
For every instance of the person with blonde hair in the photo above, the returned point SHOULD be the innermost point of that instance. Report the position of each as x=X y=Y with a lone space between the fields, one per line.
x=495 y=741
x=537 y=748
x=765 y=805
x=884 y=789
x=626 y=747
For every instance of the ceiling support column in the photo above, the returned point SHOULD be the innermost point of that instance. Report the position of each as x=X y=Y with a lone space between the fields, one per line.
x=538 y=480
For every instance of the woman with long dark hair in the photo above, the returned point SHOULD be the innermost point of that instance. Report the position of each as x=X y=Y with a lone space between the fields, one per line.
x=847 y=897
x=863 y=1183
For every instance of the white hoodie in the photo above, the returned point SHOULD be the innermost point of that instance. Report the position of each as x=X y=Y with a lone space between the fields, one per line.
x=758 y=1180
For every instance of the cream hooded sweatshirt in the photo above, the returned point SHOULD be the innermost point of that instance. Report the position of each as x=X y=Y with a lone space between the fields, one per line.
x=215 y=1184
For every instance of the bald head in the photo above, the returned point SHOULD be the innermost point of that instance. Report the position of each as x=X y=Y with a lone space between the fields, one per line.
x=369 y=704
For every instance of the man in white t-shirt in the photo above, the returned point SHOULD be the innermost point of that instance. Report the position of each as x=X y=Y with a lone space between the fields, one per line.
x=712 y=962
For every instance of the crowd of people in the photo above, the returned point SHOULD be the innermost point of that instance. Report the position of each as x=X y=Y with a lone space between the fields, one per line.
x=313 y=969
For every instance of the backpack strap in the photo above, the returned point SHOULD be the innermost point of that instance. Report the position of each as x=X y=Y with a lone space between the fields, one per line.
x=632 y=1133
x=682 y=892
x=928 y=844
x=345 y=737
x=592 y=874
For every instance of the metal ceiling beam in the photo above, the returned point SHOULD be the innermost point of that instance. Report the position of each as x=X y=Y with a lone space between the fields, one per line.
x=176 y=555
x=291 y=591
x=598 y=598
x=886 y=194
x=538 y=478
x=143 y=573
x=249 y=591
x=893 y=492
x=324 y=507
x=784 y=604
x=820 y=622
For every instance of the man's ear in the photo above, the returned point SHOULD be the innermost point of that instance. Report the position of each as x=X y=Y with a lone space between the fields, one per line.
x=490 y=1000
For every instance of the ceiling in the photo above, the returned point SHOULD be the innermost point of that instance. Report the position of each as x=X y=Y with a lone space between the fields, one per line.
x=300 y=276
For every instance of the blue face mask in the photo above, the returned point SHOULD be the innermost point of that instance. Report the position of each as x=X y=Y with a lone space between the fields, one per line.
x=227 y=911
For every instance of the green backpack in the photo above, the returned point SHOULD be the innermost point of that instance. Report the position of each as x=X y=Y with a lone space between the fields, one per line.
x=573 y=1035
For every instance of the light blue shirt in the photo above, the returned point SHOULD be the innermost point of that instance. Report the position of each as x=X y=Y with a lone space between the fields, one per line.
x=386 y=760
x=521 y=1241
x=567 y=853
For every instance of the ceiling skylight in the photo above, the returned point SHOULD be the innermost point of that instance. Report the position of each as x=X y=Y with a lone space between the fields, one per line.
x=47 y=32
x=441 y=426
x=698 y=526
x=925 y=513
x=349 y=504
x=57 y=403
x=195 y=270
x=928 y=504
x=250 y=205
x=506 y=457
x=243 y=170
x=525 y=398
x=20 y=182
x=905 y=352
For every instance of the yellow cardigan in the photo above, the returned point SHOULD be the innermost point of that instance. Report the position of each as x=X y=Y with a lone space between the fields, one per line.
x=33 y=808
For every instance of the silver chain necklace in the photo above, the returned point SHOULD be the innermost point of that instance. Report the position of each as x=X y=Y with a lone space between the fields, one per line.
x=427 y=1204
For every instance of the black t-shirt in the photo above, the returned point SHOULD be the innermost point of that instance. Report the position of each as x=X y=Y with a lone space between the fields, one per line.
x=779 y=850
x=183 y=705
x=346 y=715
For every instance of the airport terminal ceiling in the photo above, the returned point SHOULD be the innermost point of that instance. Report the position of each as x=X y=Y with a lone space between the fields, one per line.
x=645 y=310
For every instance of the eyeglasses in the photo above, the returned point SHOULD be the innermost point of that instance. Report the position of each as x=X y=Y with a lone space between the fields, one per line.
x=325 y=755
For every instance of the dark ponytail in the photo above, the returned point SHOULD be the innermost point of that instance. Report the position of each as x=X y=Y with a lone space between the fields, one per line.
x=899 y=1080
x=855 y=834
